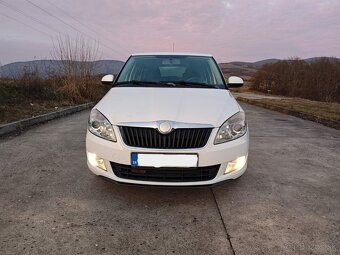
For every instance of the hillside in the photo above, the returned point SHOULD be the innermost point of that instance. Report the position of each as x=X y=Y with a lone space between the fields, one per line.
x=46 y=67
x=247 y=69
x=242 y=70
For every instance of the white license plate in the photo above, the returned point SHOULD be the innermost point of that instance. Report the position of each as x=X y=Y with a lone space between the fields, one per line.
x=164 y=160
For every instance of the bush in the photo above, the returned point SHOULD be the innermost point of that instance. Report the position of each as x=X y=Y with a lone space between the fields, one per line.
x=30 y=86
x=77 y=66
x=319 y=80
x=35 y=87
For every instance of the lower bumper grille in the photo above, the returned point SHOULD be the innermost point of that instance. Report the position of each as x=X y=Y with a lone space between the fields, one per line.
x=165 y=174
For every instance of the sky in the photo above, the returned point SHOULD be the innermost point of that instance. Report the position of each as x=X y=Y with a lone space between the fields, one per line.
x=231 y=30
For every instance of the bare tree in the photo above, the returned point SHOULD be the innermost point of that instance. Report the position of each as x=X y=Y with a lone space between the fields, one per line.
x=77 y=65
x=318 y=80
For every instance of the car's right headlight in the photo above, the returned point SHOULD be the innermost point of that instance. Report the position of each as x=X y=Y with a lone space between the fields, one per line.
x=234 y=127
x=100 y=126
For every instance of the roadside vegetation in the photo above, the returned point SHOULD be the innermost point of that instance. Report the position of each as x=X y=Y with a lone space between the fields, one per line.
x=318 y=80
x=325 y=113
x=29 y=94
x=311 y=90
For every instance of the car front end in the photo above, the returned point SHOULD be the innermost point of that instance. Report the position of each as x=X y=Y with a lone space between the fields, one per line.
x=166 y=135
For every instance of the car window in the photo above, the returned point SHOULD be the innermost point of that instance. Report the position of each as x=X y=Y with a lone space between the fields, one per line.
x=176 y=71
x=161 y=69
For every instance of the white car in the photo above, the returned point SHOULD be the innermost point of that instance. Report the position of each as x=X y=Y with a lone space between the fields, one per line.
x=169 y=119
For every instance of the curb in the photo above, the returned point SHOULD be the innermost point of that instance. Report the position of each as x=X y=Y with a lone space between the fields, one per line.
x=305 y=116
x=19 y=126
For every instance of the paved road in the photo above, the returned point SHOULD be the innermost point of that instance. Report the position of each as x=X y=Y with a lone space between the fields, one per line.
x=288 y=202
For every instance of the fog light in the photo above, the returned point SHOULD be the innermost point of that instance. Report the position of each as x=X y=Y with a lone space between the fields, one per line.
x=236 y=164
x=96 y=161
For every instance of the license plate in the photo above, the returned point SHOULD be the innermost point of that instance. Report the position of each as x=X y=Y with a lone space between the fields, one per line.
x=164 y=160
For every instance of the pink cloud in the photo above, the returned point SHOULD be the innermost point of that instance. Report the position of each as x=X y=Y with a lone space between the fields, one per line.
x=229 y=29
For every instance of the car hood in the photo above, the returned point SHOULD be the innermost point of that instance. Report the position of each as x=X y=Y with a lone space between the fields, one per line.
x=188 y=105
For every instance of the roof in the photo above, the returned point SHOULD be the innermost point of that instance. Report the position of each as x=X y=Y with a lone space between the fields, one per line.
x=171 y=54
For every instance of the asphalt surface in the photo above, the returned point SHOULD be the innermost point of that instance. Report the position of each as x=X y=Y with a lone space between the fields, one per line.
x=288 y=201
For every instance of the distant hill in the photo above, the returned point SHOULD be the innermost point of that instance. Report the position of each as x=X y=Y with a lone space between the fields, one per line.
x=242 y=69
x=247 y=69
x=46 y=67
x=257 y=64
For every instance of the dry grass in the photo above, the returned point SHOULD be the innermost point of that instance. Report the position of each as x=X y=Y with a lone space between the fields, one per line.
x=74 y=82
x=245 y=88
x=20 y=99
x=29 y=108
x=321 y=112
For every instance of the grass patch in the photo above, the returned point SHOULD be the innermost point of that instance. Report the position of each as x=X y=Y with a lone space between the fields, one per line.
x=327 y=114
x=27 y=109
x=24 y=100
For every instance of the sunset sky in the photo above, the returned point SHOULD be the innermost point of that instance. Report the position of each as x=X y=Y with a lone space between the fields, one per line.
x=245 y=30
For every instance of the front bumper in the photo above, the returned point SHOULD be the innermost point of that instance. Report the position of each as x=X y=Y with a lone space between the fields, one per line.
x=209 y=155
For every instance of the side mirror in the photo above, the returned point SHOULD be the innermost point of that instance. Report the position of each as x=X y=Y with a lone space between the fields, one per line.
x=108 y=79
x=235 y=82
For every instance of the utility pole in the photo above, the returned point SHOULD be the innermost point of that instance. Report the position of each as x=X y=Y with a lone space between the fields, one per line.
x=173 y=47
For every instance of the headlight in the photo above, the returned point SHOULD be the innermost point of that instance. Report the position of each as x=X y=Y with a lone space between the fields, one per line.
x=100 y=126
x=233 y=128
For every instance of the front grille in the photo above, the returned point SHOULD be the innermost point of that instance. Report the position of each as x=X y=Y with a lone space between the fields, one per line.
x=165 y=174
x=184 y=138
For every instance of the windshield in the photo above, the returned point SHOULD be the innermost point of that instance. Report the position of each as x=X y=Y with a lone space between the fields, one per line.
x=172 y=70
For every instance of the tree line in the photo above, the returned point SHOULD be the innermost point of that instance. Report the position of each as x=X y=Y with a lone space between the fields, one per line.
x=318 y=80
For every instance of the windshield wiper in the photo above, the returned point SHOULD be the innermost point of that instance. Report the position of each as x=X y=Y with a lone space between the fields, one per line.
x=145 y=83
x=135 y=82
x=193 y=84
x=165 y=83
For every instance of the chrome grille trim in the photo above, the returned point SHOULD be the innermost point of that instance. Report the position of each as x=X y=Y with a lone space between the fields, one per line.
x=155 y=124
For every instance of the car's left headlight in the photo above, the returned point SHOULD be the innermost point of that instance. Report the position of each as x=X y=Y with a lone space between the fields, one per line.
x=234 y=127
x=100 y=126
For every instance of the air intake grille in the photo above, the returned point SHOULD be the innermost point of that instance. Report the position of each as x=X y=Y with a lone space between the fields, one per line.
x=165 y=174
x=185 y=138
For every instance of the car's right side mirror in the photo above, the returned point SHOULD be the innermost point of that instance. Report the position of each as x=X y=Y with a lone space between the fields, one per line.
x=108 y=79
x=235 y=82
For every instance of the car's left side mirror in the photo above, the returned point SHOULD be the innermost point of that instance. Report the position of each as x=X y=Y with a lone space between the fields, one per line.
x=235 y=82
x=108 y=79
